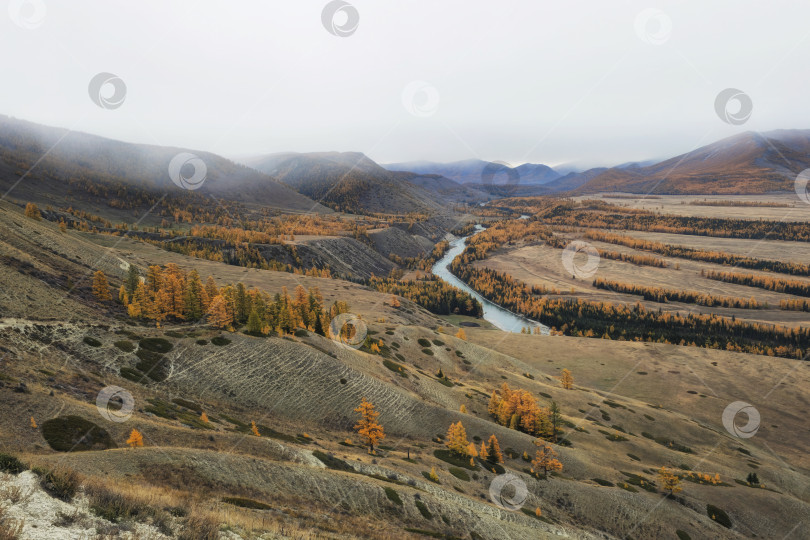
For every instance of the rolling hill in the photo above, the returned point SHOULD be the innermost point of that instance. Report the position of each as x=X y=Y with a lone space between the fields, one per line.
x=472 y=171
x=351 y=182
x=743 y=164
x=56 y=166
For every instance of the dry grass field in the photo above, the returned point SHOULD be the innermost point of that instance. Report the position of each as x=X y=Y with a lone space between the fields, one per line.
x=790 y=209
x=634 y=408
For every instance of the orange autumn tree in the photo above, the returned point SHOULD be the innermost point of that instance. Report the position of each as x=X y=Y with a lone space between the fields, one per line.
x=32 y=211
x=457 y=439
x=493 y=451
x=473 y=453
x=669 y=481
x=254 y=429
x=367 y=427
x=135 y=439
x=461 y=334
x=218 y=315
x=101 y=289
x=567 y=379
x=545 y=460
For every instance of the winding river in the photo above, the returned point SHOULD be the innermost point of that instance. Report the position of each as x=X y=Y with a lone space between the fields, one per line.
x=497 y=315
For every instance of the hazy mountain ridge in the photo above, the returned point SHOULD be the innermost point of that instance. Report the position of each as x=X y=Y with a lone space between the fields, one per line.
x=743 y=164
x=472 y=171
x=64 y=157
x=350 y=181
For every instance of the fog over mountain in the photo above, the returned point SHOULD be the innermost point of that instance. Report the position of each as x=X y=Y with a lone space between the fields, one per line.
x=523 y=82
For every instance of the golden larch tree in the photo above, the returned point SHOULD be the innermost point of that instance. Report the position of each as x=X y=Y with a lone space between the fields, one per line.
x=254 y=429
x=483 y=452
x=473 y=453
x=545 y=459
x=669 y=480
x=493 y=452
x=101 y=289
x=32 y=211
x=204 y=417
x=394 y=302
x=457 y=439
x=135 y=439
x=461 y=334
x=218 y=315
x=567 y=379
x=367 y=427
x=33 y=423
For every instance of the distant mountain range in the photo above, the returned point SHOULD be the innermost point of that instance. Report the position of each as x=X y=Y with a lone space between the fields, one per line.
x=476 y=171
x=350 y=181
x=55 y=166
x=747 y=163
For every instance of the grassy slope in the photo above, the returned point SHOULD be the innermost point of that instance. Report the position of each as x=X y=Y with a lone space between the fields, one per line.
x=294 y=386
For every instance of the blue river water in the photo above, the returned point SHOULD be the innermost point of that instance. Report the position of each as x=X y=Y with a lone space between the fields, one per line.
x=495 y=314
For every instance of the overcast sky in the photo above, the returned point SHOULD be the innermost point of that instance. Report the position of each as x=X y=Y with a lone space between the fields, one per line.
x=529 y=80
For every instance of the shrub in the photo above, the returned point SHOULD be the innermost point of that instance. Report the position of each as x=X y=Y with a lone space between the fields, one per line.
x=133 y=375
x=601 y=482
x=460 y=474
x=332 y=462
x=437 y=342
x=246 y=503
x=93 y=342
x=61 y=482
x=423 y=509
x=718 y=515
x=423 y=342
x=111 y=505
x=11 y=464
x=220 y=341
x=152 y=364
x=158 y=345
x=202 y=342
x=393 y=496
x=75 y=434
x=683 y=535
x=396 y=368
x=428 y=352
x=125 y=345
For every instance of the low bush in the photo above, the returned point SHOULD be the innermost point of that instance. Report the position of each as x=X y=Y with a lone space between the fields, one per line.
x=11 y=464
x=158 y=345
x=75 y=434
x=393 y=496
x=246 y=503
x=125 y=345
x=61 y=482
x=93 y=342
x=220 y=341
x=423 y=342
x=718 y=515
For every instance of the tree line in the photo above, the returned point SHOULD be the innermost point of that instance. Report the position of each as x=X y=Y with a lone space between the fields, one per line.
x=799 y=288
x=718 y=257
x=431 y=293
x=172 y=294
x=657 y=294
